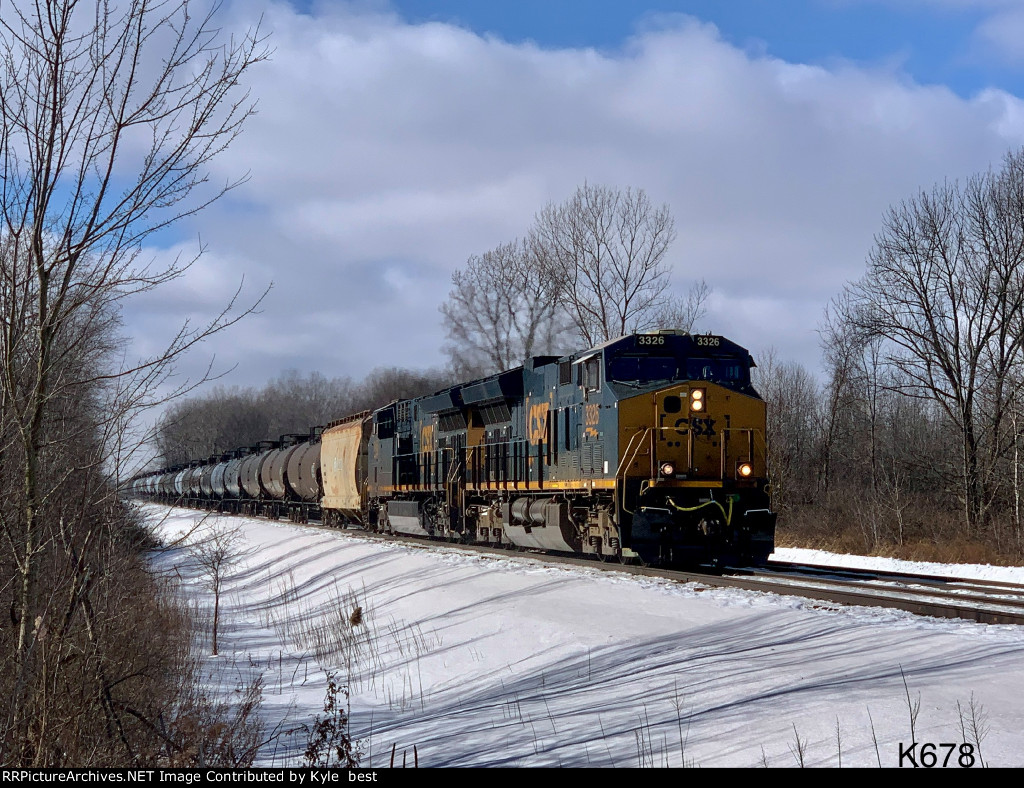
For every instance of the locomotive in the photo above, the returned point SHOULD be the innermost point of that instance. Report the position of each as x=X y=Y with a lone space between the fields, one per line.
x=649 y=447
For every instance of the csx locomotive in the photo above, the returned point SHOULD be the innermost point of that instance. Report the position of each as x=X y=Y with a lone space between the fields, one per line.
x=648 y=447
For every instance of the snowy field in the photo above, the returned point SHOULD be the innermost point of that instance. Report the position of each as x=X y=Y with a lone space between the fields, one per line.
x=480 y=661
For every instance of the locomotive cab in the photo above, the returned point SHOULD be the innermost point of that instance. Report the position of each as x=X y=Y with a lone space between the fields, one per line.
x=692 y=480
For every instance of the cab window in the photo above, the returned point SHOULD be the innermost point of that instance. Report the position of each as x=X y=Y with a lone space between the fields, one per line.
x=386 y=425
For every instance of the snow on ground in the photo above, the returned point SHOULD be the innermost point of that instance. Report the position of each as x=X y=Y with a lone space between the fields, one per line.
x=1003 y=574
x=481 y=661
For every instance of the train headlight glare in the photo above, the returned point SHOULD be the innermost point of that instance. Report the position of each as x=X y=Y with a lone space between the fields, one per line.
x=697 y=394
x=697 y=405
x=745 y=470
x=668 y=469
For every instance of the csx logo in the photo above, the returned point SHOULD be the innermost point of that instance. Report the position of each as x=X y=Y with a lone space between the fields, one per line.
x=538 y=424
x=697 y=426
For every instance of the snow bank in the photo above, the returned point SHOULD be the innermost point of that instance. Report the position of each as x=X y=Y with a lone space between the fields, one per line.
x=480 y=661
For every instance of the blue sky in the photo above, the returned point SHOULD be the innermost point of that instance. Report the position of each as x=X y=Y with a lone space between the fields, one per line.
x=934 y=41
x=397 y=138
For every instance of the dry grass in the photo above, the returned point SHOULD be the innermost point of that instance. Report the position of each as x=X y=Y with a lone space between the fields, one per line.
x=344 y=632
x=928 y=535
x=116 y=678
x=966 y=729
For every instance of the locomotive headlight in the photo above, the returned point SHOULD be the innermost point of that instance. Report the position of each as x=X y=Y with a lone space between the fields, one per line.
x=697 y=400
x=744 y=470
x=668 y=469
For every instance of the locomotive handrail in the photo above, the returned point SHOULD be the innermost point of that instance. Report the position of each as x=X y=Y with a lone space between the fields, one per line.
x=626 y=456
x=639 y=437
x=453 y=469
x=642 y=435
x=756 y=441
x=636 y=442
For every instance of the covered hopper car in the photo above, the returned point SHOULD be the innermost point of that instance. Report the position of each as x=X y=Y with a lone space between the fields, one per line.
x=648 y=447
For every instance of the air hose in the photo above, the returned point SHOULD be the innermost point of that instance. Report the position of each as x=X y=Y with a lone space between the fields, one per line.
x=727 y=514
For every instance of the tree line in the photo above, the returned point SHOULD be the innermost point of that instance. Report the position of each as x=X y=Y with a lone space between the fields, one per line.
x=915 y=432
x=229 y=418
x=109 y=118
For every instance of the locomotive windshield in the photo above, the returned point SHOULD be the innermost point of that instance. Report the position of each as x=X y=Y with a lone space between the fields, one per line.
x=642 y=369
x=646 y=369
x=720 y=370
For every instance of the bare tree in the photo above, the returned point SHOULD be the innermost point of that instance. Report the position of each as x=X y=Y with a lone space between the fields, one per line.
x=791 y=439
x=302 y=401
x=109 y=117
x=857 y=382
x=944 y=290
x=216 y=553
x=1015 y=459
x=608 y=247
x=198 y=427
x=389 y=383
x=685 y=311
x=226 y=419
x=502 y=309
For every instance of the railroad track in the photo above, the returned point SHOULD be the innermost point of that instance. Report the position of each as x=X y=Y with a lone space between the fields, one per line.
x=987 y=602
x=983 y=601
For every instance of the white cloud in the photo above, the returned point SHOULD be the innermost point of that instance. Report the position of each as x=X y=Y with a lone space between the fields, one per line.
x=996 y=37
x=1003 y=32
x=384 y=154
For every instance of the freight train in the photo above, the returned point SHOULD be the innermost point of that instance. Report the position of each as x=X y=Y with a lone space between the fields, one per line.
x=648 y=448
